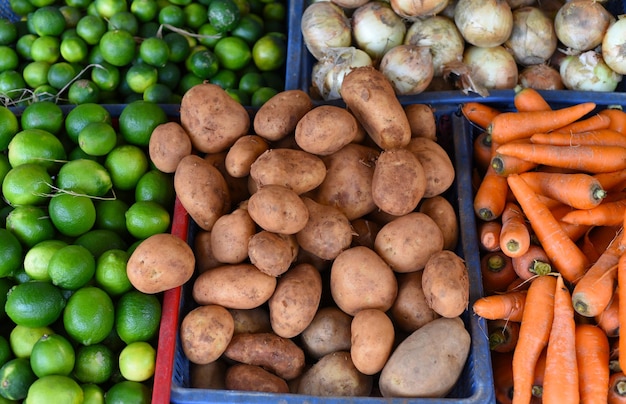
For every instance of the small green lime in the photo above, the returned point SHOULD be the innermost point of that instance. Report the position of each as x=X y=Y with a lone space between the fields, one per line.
x=84 y=176
x=118 y=47
x=89 y=315
x=83 y=91
x=34 y=304
x=138 y=119
x=141 y=76
x=23 y=338
x=94 y=363
x=97 y=138
x=110 y=215
x=111 y=273
x=10 y=253
x=16 y=377
x=30 y=224
x=137 y=361
x=147 y=218
x=128 y=392
x=72 y=267
x=37 y=258
x=52 y=355
x=126 y=164
x=137 y=316
x=36 y=146
x=54 y=389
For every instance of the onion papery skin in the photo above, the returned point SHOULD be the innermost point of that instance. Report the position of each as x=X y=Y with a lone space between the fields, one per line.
x=493 y=68
x=614 y=46
x=581 y=24
x=376 y=28
x=409 y=68
x=588 y=72
x=325 y=25
x=348 y=4
x=533 y=39
x=328 y=73
x=541 y=77
x=484 y=23
x=418 y=8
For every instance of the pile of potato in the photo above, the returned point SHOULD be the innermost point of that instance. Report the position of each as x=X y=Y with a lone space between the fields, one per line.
x=325 y=252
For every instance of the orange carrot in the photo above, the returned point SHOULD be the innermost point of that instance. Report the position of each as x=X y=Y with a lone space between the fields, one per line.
x=490 y=198
x=501 y=306
x=564 y=254
x=617 y=116
x=592 y=352
x=528 y=99
x=621 y=282
x=561 y=377
x=504 y=165
x=489 y=235
x=502 y=376
x=503 y=335
x=533 y=335
x=608 y=320
x=497 y=272
x=617 y=388
x=573 y=231
x=515 y=234
x=534 y=262
x=581 y=191
x=602 y=137
x=509 y=126
x=518 y=284
x=606 y=214
x=479 y=114
x=482 y=151
x=594 y=122
x=598 y=238
x=612 y=180
x=593 y=159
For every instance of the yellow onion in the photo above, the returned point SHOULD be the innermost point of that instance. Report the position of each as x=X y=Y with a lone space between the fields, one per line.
x=417 y=8
x=409 y=68
x=588 y=72
x=325 y=25
x=614 y=46
x=491 y=67
x=484 y=23
x=541 y=77
x=376 y=28
x=532 y=40
x=328 y=73
x=580 y=24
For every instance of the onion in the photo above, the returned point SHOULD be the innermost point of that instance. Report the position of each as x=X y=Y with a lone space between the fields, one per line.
x=409 y=68
x=614 y=46
x=422 y=8
x=376 y=28
x=491 y=68
x=541 y=77
x=328 y=73
x=484 y=23
x=588 y=72
x=532 y=40
x=449 y=10
x=349 y=4
x=580 y=24
x=441 y=36
x=324 y=25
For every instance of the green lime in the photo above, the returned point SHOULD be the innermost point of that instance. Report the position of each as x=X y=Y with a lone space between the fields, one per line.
x=188 y=81
x=27 y=184
x=158 y=93
x=137 y=316
x=72 y=267
x=111 y=273
x=251 y=81
x=71 y=14
x=5 y=351
x=137 y=361
x=124 y=20
x=108 y=8
x=274 y=11
x=22 y=7
x=97 y=138
x=223 y=14
x=46 y=49
x=34 y=304
x=203 y=63
x=54 y=389
x=172 y=15
x=156 y=186
x=9 y=126
x=250 y=28
x=91 y=28
x=82 y=115
x=154 y=51
x=89 y=315
x=37 y=258
x=16 y=377
x=80 y=4
x=209 y=35
x=170 y=75
x=9 y=59
x=8 y=32
x=5 y=166
x=92 y=394
x=233 y=53
x=5 y=285
x=100 y=240
x=74 y=49
x=141 y=76
x=45 y=93
x=43 y=115
x=60 y=74
x=10 y=253
x=94 y=364
x=48 y=21
x=72 y=215
x=52 y=355
x=128 y=392
x=83 y=91
x=23 y=338
x=127 y=164
x=36 y=146
x=118 y=47
x=106 y=76
x=137 y=121
x=24 y=45
x=147 y=218
x=12 y=85
x=36 y=73
x=30 y=224
x=84 y=176
x=270 y=52
x=178 y=45
x=238 y=95
x=224 y=78
x=144 y=10
x=195 y=15
x=110 y=215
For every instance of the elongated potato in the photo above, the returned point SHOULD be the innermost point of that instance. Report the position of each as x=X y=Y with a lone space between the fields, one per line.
x=230 y=235
x=242 y=154
x=372 y=340
x=205 y=332
x=169 y=143
x=445 y=282
x=272 y=253
x=326 y=129
x=244 y=377
x=442 y=212
x=327 y=232
x=278 y=209
x=279 y=116
x=372 y=100
x=437 y=165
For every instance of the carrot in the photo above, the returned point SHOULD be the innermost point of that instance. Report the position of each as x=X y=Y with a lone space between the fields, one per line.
x=502 y=376
x=515 y=235
x=482 y=151
x=518 y=284
x=617 y=388
x=593 y=159
x=561 y=376
x=617 y=116
x=489 y=235
x=562 y=251
x=497 y=272
x=601 y=137
x=540 y=372
x=581 y=191
x=503 y=335
x=608 y=319
x=534 y=262
x=612 y=180
x=614 y=356
x=479 y=114
x=490 y=198
x=621 y=282
x=598 y=238
x=504 y=165
x=501 y=306
x=533 y=335
x=528 y=99
x=509 y=126
x=592 y=352
x=594 y=122
x=573 y=231
x=606 y=214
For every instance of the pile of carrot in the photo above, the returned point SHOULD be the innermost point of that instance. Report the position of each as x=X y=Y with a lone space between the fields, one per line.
x=550 y=198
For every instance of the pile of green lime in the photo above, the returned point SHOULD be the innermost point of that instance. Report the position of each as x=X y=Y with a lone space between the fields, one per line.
x=119 y=51
x=78 y=195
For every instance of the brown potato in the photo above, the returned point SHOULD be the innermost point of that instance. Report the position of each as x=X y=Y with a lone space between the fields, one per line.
x=294 y=169
x=446 y=284
x=202 y=190
x=335 y=375
x=348 y=182
x=279 y=116
x=328 y=332
x=428 y=362
x=203 y=251
x=327 y=232
x=361 y=279
x=279 y=355
x=326 y=129
x=234 y=286
x=272 y=253
x=160 y=262
x=410 y=310
x=242 y=154
x=437 y=165
x=251 y=320
x=372 y=340
x=406 y=243
x=421 y=120
x=278 y=209
x=230 y=235
x=237 y=187
x=208 y=376
x=244 y=377
x=169 y=143
x=205 y=332
x=212 y=118
x=443 y=213
x=372 y=100
x=399 y=182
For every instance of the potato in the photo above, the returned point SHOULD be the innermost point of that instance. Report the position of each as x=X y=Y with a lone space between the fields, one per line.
x=294 y=169
x=335 y=375
x=212 y=118
x=169 y=143
x=244 y=377
x=428 y=362
x=361 y=279
x=326 y=129
x=446 y=284
x=279 y=355
x=272 y=253
x=234 y=286
x=443 y=213
x=205 y=332
x=437 y=165
x=372 y=100
x=278 y=209
x=160 y=262
x=326 y=233
x=237 y=187
x=407 y=242
x=230 y=235
x=410 y=311
x=372 y=340
x=364 y=232
x=251 y=320
x=202 y=190
x=328 y=332
x=295 y=300
x=279 y=116
x=208 y=376
x=203 y=251
x=348 y=182
x=399 y=182
x=242 y=154
x=421 y=120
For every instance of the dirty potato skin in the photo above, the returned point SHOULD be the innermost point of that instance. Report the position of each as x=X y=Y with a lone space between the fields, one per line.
x=278 y=209
x=244 y=377
x=328 y=332
x=272 y=253
x=279 y=116
x=205 y=332
x=335 y=375
x=373 y=336
x=326 y=129
x=411 y=311
x=242 y=154
x=446 y=284
x=169 y=143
